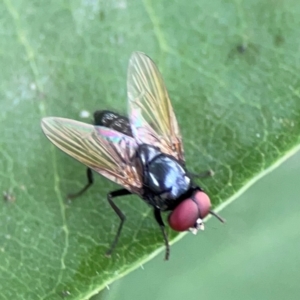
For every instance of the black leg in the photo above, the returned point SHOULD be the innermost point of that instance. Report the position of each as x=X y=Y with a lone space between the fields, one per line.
x=117 y=210
x=208 y=173
x=90 y=178
x=161 y=224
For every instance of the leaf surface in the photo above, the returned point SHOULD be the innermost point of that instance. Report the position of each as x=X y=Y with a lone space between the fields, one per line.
x=232 y=72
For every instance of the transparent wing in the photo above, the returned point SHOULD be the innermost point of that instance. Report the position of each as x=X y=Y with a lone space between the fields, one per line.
x=150 y=111
x=108 y=152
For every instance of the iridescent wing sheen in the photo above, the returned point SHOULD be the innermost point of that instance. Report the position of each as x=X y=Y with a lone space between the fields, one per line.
x=150 y=111
x=108 y=152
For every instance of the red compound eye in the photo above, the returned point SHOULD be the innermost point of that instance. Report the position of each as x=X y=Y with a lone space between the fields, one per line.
x=185 y=215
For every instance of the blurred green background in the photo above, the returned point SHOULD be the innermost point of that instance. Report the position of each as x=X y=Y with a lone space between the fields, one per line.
x=255 y=255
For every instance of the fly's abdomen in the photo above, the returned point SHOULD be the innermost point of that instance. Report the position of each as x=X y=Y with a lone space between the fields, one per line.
x=112 y=120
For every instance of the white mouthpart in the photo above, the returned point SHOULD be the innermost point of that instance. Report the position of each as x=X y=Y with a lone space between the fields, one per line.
x=199 y=226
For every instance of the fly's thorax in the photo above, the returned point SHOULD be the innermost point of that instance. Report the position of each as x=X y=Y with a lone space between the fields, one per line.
x=163 y=175
x=146 y=153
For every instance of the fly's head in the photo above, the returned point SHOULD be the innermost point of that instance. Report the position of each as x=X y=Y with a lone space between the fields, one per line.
x=189 y=214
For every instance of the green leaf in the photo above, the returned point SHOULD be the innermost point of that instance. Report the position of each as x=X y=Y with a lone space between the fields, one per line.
x=231 y=69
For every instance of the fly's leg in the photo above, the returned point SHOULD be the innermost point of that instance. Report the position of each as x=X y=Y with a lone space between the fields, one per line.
x=110 y=196
x=161 y=224
x=205 y=174
x=90 y=178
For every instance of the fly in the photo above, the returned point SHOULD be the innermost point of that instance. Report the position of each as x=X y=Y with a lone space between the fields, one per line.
x=143 y=153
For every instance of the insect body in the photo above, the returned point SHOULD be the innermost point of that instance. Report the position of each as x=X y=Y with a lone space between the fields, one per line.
x=143 y=153
x=112 y=120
